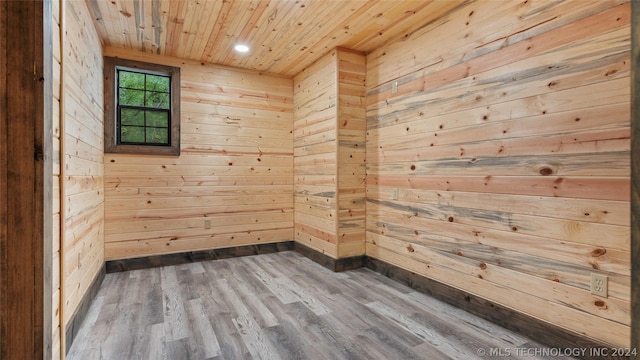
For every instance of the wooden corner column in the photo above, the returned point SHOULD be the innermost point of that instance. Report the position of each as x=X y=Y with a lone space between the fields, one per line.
x=635 y=175
x=25 y=179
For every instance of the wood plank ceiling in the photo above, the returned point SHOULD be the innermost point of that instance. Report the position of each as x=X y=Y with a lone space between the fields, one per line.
x=285 y=36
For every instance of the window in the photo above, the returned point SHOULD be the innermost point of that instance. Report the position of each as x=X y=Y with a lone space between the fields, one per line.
x=142 y=107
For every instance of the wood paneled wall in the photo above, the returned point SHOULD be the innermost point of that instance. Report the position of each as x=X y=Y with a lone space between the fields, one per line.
x=235 y=170
x=55 y=240
x=329 y=150
x=351 y=128
x=508 y=144
x=82 y=162
x=315 y=93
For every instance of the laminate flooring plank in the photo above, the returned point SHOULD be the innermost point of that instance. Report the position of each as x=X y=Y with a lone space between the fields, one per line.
x=157 y=343
x=230 y=342
x=219 y=268
x=397 y=345
x=176 y=327
x=310 y=301
x=299 y=292
x=346 y=340
x=141 y=342
x=430 y=335
x=114 y=283
x=246 y=277
x=300 y=324
x=201 y=329
x=87 y=337
x=289 y=345
x=188 y=283
x=277 y=306
x=459 y=316
x=221 y=313
x=277 y=288
x=248 y=328
x=196 y=268
x=179 y=349
x=256 y=306
x=533 y=347
x=435 y=314
x=103 y=326
x=335 y=345
x=362 y=318
x=119 y=343
x=85 y=354
x=151 y=297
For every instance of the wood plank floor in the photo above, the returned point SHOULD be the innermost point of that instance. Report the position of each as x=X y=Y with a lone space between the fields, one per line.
x=280 y=306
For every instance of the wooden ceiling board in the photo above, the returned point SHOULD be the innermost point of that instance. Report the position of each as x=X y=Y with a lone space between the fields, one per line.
x=285 y=36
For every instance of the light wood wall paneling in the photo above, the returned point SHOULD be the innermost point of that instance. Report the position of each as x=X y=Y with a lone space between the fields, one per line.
x=572 y=187
x=329 y=154
x=315 y=147
x=57 y=343
x=507 y=144
x=351 y=129
x=534 y=30
x=555 y=313
x=232 y=184
x=614 y=308
x=588 y=210
x=587 y=256
x=82 y=158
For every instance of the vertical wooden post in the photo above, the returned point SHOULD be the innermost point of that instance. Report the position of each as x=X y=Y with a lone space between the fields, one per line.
x=635 y=175
x=61 y=176
x=25 y=179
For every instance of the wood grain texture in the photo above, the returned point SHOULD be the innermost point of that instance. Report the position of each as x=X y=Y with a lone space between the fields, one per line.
x=72 y=326
x=26 y=180
x=329 y=154
x=635 y=176
x=507 y=144
x=277 y=306
x=284 y=37
x=56 y=303
x=82 y=158
x=543 y=332
x=315 y=155
x=351 y=129
x=232 y=183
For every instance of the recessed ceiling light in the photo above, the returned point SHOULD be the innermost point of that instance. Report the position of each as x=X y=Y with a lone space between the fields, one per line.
x=241 y=48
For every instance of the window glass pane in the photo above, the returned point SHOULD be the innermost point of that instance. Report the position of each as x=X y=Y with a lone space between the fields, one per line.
x=157 y=100
x=157 y=136
x=130 y=80
x=131 y=97
x=132 y=117
x=158 y=119
x=158 y=83
x=132 y=134
x=145 y=118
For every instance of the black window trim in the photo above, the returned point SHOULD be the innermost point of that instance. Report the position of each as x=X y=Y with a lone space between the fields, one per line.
x=111 y=65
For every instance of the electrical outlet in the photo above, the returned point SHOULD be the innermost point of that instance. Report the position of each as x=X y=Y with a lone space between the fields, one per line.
x=599 y=284
x=394 y=87
x=394 y=193
x=207 y=223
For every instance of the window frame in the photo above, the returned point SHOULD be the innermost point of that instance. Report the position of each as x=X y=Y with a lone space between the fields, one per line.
x=111 y=117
